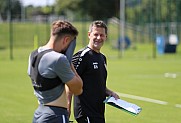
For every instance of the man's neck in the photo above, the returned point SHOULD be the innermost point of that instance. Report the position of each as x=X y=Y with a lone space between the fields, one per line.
x=98 y=51
x=51 y=45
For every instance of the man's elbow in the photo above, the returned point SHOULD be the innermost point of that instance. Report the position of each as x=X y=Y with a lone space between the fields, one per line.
x=78 y=92
x=76 y=86
x=79 y=89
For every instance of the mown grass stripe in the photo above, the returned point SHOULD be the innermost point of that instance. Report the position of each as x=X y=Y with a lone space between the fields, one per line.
x=142 y=98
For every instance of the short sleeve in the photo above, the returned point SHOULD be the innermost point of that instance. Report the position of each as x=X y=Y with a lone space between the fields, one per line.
x=63 y=69
x=79 y=63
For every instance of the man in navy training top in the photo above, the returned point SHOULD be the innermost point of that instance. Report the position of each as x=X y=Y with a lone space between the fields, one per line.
x=91 y=64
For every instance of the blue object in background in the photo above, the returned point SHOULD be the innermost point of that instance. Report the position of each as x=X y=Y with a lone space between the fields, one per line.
x=160 y=44
x=126 y=43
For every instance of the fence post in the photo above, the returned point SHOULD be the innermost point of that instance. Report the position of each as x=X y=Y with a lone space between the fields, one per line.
x=10 y=29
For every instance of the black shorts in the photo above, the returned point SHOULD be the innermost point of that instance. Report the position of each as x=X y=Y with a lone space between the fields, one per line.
x=90 y=120
x=50 y=114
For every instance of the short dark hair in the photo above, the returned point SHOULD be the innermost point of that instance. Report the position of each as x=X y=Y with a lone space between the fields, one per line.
x=60 y=28
x=98 y=23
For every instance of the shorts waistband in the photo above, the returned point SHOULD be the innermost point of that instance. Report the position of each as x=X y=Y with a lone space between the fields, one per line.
x=55 y=106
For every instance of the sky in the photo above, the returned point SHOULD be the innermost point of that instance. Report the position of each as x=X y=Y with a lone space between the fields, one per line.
x=37 y=2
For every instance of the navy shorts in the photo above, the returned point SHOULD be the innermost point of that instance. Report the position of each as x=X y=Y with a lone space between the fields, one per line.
x=50 y=114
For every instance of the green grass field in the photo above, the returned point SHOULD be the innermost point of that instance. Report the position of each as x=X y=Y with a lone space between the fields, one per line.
x=135 y=73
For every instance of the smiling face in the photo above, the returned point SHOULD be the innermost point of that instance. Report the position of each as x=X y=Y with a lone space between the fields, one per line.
x=97 y=37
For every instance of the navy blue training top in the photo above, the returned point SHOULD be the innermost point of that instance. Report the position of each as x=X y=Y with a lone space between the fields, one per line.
x=91 y=67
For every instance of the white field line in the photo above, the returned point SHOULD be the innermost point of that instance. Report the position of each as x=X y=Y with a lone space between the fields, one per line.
x=143 y=99
x=178 y=105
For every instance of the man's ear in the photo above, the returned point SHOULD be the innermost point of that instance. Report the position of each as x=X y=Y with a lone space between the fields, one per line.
x=65 y=39
x=89 y=34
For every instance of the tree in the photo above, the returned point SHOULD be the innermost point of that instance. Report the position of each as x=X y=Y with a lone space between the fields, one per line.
x=154 y=10
x=47 y=10
x=62 y=6
x=96 y=9
x=3 y=8
x=137 y=11
x=15 y=9
x=100 y=9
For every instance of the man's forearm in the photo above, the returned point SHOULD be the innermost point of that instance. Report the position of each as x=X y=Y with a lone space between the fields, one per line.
x=69 y=99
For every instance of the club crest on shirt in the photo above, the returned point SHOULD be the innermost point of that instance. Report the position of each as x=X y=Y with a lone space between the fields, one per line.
x=95 y=65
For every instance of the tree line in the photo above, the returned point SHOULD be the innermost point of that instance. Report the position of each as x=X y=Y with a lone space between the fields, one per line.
x=136 y=11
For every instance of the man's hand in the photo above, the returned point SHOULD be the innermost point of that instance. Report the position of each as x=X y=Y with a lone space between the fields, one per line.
x=111 y=93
